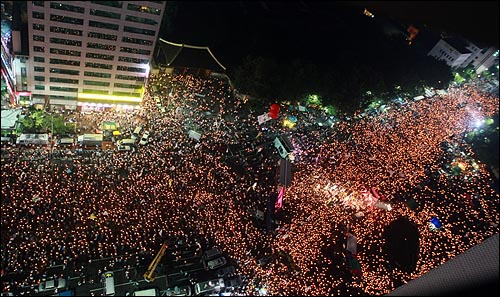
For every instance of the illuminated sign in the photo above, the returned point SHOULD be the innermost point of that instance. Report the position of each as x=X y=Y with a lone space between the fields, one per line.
x=98 y=97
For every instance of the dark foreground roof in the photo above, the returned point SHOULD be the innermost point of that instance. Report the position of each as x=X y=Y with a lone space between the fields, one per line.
x=473 y=272
x=185 y=56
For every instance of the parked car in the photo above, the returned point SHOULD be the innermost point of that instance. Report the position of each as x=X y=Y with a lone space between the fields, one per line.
x=179 y=291
x=52 y=284
x=215 y=285
x=144 y=139
x=124 y=148
x=211 y=254
x=219 y=262
x=226 y=271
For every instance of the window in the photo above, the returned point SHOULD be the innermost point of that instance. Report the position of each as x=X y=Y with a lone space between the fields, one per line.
x=143 y=8
x=102 y=36
x=129 y=77
x=105 y=14
x=39 y=69
x=63 y=97
x=98 y=65
x=38 y=38
x=39 y=78
x=65 y=19
x=67 y=7
x=63 y=89
x=137 y=41
x=97 y=74
x=39 y=49
x=103 y=25
x=38 y=27
x=101 y=46
x=92 y=91
x=96 y=83
x=127 y=86
x=39 y=87
x=65 y=52
x=99 y=56
x=66 y=31
x=134 y=51
x=64 y=62
x=139 y=31
x=38 y=3
x=131 y=69
x=63 y=80
x=132 y=94
x=118 y=4
x=140 y=20
x=64 y=71
x=39 y=59
x=133 y=60
x=38 y=15
x=65 y=41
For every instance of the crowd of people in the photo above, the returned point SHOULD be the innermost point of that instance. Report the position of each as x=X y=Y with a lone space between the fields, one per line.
x=117 y=204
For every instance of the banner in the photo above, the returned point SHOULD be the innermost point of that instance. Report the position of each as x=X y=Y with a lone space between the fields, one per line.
x=194 y=135
x=263 y=118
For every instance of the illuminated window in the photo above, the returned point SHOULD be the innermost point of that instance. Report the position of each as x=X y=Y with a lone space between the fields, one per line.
x=137 y=41
x=65 y=41
x=38 y=27
x=134 y=51
x=64 y=71
x=99 y=56
x=38 y=38
x=66 y=31
x=98 y=65
x=96 y=83
x=65 y=19
x=131 y=69
x=129 y=77
x=67 y=7
x=102 y=36
x=38 y=15
x=66 y=52
x=97 y=74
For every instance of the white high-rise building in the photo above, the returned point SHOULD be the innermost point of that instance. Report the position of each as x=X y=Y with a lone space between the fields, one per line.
x=93 y=54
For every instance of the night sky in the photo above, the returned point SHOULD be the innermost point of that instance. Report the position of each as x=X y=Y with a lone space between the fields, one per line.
x=315 y=29
x=477 y=20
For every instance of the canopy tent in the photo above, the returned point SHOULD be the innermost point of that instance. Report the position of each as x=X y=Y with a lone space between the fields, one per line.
x=175 y=55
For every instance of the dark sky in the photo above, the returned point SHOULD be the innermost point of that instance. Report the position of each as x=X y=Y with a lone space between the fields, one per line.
x=474 y=20
x=314 y=29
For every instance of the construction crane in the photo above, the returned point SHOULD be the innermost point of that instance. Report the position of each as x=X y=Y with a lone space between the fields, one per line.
x=150 y=274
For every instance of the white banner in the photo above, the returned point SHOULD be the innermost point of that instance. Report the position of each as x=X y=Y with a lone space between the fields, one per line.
x=194 y=135
x=263 y=118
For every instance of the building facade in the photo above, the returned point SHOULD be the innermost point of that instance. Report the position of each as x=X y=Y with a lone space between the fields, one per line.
x=92 y=54
x=453 y=51
x=460 y=53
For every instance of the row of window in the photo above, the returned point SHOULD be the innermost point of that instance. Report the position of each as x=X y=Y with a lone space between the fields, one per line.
x=87 y=91
x=88 y=83
x=41 y=49
x=118 y=4
x=95 y=24
x=91 y=74
x=85 y=73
